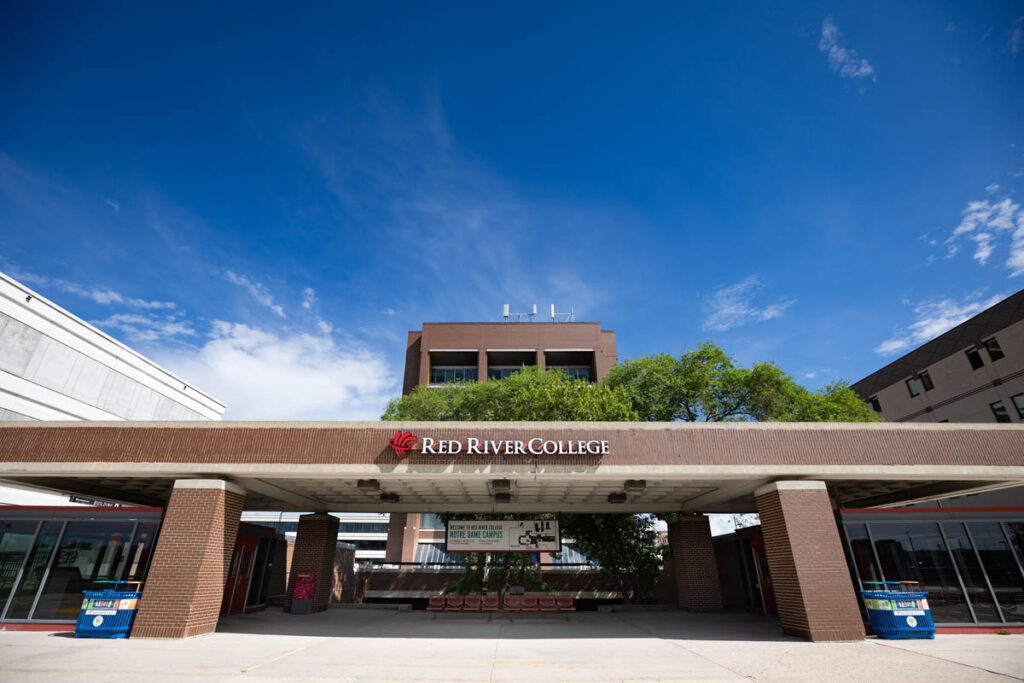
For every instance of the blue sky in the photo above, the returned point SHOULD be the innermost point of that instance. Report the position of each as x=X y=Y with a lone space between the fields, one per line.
x=265 y=197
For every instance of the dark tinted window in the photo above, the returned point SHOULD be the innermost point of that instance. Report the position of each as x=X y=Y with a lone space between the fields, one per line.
x=970 y=572
x=1018 y=403
x=999 y=410
x=1001 y=566
x=875 y=405
x=975 y=359
x=926 y=381
x=916 y=552
x=994 y=350
x=912 y=387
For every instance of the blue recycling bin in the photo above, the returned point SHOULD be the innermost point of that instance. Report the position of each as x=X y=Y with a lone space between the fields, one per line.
x=110 y=612
x=897 y=613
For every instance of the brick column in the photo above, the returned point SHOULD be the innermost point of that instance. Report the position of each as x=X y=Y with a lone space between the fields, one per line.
x=185 y=584
x=481 y=365
x=693 y=563
x=541 y=358
x=424 y=366
x=315 y=543
x=812 y=583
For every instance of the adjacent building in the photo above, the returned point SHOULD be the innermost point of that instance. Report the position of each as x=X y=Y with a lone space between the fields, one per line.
x=972 y=373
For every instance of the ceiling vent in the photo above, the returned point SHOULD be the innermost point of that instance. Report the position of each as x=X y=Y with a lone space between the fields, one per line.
x=635 y=485
x=501 y=485
x=617 y=497
x=368 y=485
x=389 y=498
x=502 y=497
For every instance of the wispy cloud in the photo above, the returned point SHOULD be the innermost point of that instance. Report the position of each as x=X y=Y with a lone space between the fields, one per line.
x=308 y=298
x=988 y=223
x=1016 y=36
x=146 y=328
x=113 y=205
x=841 y=59
x=267 y=374
x=257 y=290
x=739 y=304
x=932 y=318
x=100 y=295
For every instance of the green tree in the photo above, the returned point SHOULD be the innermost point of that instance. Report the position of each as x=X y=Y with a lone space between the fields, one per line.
x=706 y=384
x=625 y=547
x=528 y=395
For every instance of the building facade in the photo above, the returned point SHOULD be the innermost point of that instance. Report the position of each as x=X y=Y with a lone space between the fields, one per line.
x=56 y=366
x=972 y=373
x=447 y=353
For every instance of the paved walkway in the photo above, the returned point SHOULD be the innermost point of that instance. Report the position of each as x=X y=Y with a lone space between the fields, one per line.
x=374 y=645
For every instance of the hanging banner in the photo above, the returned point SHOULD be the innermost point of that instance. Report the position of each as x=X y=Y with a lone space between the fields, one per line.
x=503 y=536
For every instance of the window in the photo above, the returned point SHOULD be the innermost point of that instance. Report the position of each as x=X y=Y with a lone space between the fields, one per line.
x=995 y=352
x=999 y=410
x=970 y=572
x=912 y=387
x=502 y=372
x=580 y=373
x=447 y=375
x=1018 y=403
x=926 y=381
x=975 y=359
x=430 y=520
x=1001 y=566
x=875 y=405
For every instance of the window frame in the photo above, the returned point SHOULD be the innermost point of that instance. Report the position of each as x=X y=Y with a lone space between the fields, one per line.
x=912 y=387
x=1002 y=407
x=991 y=343
x=972 y=354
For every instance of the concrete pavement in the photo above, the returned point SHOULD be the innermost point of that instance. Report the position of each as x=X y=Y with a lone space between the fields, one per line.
x=374 y=645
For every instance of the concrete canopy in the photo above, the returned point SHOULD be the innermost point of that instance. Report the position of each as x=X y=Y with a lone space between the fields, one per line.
x=591 y=466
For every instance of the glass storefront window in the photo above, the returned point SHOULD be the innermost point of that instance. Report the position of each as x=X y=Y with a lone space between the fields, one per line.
x=15 y=540
x=24 y=595
x=970 y=572
x=88 y=552
x=860 y=546
x=1001 y=566
x=430 y=520
x=916 y=552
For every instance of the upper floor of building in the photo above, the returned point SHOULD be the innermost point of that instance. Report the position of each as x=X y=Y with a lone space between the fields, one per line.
x=440 y=353
x=972 y=373
x=56 y=366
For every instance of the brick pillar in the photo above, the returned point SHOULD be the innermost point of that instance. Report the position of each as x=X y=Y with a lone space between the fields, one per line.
x=805 y=556
x=693 y=561
x=185 y=585
x=481 y=365
x=541 y=358
x=315 y=543
x=424 y=366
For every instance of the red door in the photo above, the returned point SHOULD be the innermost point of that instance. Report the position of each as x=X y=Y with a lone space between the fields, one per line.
x=764 y=578
x=236 y=588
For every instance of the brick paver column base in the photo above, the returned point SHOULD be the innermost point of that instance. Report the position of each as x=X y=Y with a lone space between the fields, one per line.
x=812 y=583
x=693 y=562
x=315 y=543
x=185 y=584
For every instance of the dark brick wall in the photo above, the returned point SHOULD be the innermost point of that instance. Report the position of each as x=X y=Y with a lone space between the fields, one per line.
x=315 y=547
x=185 y=585
x=693 y=561
x=812 y=582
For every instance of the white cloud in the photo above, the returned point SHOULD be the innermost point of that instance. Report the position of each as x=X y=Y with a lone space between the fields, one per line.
x=113 y=205
x=988 y=223
x=142 y=328
x=308 y=298
x=267 y=375
x=841 y=59
x=1017 y=35
x=992 y=189
x=735 y=305
x=100 y=295
x=257 y=290
x=932 y=318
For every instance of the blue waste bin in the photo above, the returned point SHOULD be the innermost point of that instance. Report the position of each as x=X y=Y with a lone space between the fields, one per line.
x=898 y=612
x=109 y=612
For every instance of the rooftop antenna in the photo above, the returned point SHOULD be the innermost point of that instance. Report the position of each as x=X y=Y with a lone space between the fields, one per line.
x=518 y=317
x=564 y=317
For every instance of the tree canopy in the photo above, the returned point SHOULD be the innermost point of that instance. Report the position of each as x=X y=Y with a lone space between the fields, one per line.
x=528 y=395
x=706 y=384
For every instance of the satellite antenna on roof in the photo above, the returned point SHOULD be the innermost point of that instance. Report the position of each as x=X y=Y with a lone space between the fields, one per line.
x=518 y=317
x=564 y=317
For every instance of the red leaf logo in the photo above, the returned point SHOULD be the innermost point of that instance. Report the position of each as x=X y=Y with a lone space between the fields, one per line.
x=402 y=442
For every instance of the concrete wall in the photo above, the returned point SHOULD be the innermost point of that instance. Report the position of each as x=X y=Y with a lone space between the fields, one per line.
x=55 y=366
x=962 y=394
